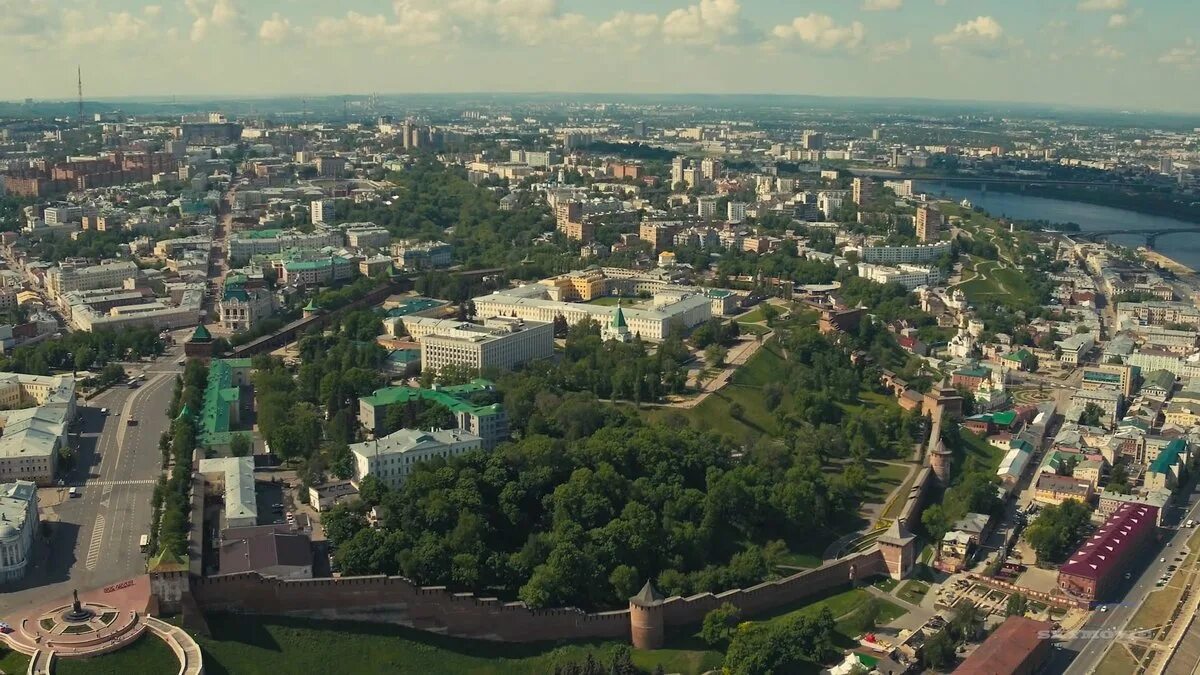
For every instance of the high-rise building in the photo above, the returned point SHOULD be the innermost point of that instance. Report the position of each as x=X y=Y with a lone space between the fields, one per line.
x=321 y=211
x=706 y=207
x=710 y=169
x=812 y=140
x=736 y=212
x=929 y=223
x=863 y=189
x=677 y=167
x=876 y=133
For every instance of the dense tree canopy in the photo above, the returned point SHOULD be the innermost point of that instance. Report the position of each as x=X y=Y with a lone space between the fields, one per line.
x=585 y=523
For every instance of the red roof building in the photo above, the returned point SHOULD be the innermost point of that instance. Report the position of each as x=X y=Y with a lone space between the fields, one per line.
x=1018 y=647
x=1096 y=567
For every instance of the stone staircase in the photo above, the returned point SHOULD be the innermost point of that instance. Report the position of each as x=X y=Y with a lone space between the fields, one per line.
x=191 y=661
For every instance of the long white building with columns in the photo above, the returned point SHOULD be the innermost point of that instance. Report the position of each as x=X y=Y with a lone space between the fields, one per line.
x=667 y=312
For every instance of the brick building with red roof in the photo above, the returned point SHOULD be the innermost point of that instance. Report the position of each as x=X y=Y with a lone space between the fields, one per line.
x=1018 y=647
x=1096 y=567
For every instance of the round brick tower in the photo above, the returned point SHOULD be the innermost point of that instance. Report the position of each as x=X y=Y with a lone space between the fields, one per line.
x=939 y=461
x=646 y=625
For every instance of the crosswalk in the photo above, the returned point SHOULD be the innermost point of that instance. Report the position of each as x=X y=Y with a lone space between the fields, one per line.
x=93 y=555
x=110 y=483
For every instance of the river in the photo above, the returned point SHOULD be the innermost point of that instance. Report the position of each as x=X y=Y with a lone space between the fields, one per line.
x=1182 y=247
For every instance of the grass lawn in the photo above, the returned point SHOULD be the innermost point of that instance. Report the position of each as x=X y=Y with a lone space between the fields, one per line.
x=1117 y=661
x=801 y=559
x=842 y=603
x=979 y=455
x=883 y=479
x=753 y=328
x=886 y=584
x=14 y=663
x=250 y=645
x=897 y=503
x=148 y=655
x=765 y=366
x=913 y=591
x=753 y=316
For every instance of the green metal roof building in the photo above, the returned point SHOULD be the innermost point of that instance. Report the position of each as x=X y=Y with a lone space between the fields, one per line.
x=222 y=403
x=489 y=422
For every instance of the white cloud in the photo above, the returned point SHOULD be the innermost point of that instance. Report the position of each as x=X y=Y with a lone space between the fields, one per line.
x=24 y=21
x=882 y=5
x=1103 y=50
x=885 y=51
x=114 y=27
x=152 y=11
x=355 y=27
x=708 y=22
x=981 y=28
x=1118 y=21
x=983 y=36
x=821 y=32
x=1186 y=56
x=1102 y=5
x=208 y=14
x=276 y=29
x=629 y=25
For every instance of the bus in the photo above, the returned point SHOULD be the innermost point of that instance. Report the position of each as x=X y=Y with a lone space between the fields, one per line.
x=144 y=542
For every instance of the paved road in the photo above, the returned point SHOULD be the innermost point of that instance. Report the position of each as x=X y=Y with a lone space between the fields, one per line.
x=1080 y=656
x=94 y=538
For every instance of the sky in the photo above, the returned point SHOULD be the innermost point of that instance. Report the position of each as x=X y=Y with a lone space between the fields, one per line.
x=1121 y=54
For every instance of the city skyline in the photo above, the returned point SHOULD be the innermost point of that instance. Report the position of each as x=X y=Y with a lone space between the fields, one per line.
x=979 y=50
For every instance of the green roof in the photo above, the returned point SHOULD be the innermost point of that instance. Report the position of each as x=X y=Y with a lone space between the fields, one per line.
x=1019 y=355
x=453 y=397
x=404 y=355
x=165 y=561
x=220 y=395
x=201 y=334
x=619 y=317
x=311 y=306
x=260 y=234
x=413 y=306
x=1004 y=418
x=1168 y=456
x=976 y=371
x=1161 y=379
x=184 y=413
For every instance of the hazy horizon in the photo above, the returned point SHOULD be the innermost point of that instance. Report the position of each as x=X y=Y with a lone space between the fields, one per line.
x=1101 y=54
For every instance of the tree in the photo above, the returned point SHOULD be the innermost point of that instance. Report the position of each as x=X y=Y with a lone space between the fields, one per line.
x=714 y=356
x=240 y=445
x=938 y=651
x=935 y=522
x=1058 y=529
x=719 y=624
x=736 y=410
x=1091 y=416
x=1017 y=605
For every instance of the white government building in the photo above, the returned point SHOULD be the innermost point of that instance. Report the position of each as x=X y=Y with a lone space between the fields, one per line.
x=18 y=523
x=500 y=342
x=233 y=477
x=652 y=321
x=391 y=458
x=37 y=410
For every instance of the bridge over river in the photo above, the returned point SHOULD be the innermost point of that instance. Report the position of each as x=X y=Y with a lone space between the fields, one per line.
x=1151 y=236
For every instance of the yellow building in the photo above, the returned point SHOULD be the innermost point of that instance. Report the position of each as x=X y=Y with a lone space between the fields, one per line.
x=578 y=286
x=1185 y=414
